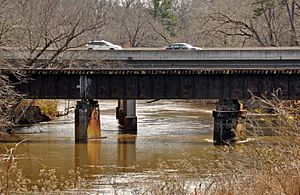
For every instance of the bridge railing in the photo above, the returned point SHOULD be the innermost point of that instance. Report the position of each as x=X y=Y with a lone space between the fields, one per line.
x=210 y=54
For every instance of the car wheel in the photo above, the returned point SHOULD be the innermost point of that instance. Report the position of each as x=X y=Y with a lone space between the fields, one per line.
x=90 y=49
x=111 y=49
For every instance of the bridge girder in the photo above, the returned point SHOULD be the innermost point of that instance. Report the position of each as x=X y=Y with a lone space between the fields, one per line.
x=141 y=84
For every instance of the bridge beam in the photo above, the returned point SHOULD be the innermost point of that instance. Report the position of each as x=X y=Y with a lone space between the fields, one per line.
x=229 y=122
x=87 y=121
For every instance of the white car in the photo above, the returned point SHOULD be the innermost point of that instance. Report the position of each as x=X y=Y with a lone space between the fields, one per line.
x=181 y=46
x=102 y=45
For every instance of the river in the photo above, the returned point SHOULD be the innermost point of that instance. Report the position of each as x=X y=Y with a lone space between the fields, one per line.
x=168 y=131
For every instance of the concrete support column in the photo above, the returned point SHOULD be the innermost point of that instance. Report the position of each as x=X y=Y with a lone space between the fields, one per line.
x=229 y=122
x=120 y=114
x=87 y=121
x=130 y=120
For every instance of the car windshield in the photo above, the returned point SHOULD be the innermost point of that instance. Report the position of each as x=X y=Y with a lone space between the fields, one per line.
x=99 y=43
x=182 y=46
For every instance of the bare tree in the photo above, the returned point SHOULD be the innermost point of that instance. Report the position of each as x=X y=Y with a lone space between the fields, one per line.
x=7 y=21
x=57 y=24
x=39 y=26
x=291 y=7
x=263 y=22
x=190 y=21
x=130 y=25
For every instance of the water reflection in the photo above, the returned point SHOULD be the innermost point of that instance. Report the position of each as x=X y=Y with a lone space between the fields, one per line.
x=165 y=132
x=88 y=155
x=126 y=150
x=92 y=155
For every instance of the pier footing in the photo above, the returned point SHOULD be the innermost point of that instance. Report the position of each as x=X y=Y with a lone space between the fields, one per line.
x=229 y=122
x=126 y=114
x=87 y=121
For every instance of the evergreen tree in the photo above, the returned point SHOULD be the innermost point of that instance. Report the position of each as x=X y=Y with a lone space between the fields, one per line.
x=163 y=11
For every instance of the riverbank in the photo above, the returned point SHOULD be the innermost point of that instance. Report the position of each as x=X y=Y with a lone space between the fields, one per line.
x=35 y=111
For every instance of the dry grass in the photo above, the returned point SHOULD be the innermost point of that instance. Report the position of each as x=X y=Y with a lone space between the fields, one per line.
x=14 y=182
x=8 y=99
x=34 y=111
x=270 y=165
x=48 y=107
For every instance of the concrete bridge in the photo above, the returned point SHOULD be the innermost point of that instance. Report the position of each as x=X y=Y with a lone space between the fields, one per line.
x=228 y=75
x=265 y=58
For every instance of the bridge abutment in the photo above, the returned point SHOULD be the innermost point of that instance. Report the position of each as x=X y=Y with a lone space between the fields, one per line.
x=87 y=121
x=229 y=122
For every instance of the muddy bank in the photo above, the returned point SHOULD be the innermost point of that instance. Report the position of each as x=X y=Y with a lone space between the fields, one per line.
x=34 y=111
x=30 y=115
x=26 y=113
x=10 y=138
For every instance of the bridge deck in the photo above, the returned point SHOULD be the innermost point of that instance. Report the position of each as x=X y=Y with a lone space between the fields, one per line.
x=292 y=53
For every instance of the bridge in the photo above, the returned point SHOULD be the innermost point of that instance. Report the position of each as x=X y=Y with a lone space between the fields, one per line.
x=228 y=75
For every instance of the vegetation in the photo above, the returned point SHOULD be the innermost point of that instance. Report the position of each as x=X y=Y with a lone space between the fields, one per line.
x=66 y=24
x=271 y=164
x=163 y=11
x=265 y=165
x=7 y=101
x=12 y=180
x=144 y=23
x=34 y=111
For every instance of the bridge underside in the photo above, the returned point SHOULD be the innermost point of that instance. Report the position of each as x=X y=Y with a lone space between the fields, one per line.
x=159 y=86
x=228 y=86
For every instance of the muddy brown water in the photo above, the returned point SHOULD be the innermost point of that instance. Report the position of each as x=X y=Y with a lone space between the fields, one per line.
x=168 y=130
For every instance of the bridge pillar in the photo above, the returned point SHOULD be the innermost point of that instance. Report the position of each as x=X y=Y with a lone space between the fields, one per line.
x=87 y=121
x=229 y=122
x=130 y=120
x=120 y=115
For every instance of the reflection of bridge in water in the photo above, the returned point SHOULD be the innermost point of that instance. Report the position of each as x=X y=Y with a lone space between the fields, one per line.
x=89 y=154
x=227 y=75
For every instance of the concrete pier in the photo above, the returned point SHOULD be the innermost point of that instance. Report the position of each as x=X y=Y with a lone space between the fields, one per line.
x=126 y=114
x=130 y=121
x=87 y=121
x=120 y=115
x=229 y=122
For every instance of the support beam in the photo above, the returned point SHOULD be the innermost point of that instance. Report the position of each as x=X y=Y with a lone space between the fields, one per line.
x=87 y=121
x=229 y=122
x=120 y=115
x=130 y=120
